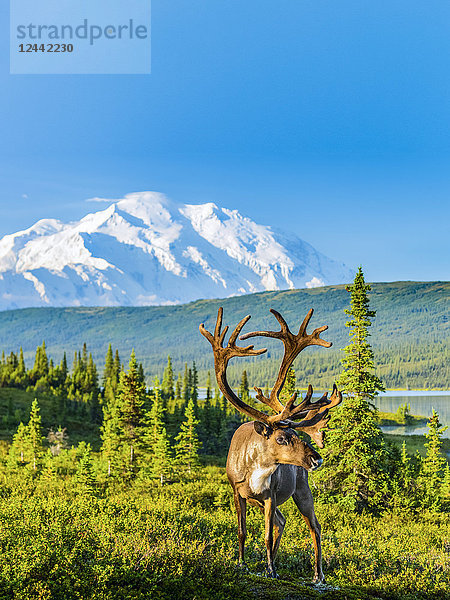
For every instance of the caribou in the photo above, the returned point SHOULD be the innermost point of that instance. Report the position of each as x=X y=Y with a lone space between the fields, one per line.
x=268 y=462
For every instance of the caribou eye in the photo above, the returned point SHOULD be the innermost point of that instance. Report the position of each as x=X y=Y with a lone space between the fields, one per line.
x=282 y=441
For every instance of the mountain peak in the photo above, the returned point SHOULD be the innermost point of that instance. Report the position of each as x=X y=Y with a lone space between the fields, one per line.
x=146 y=249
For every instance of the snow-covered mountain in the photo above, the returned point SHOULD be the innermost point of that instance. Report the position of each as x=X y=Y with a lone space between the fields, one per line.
x=146 y=249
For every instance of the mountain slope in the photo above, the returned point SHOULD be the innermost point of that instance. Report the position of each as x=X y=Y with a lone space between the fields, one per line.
x=411 y=316
x=147 y=250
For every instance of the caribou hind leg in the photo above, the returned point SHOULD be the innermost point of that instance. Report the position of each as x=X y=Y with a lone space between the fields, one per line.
x=305 y=504
x=278 y=527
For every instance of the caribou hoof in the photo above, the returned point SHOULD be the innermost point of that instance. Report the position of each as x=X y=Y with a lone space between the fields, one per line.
x=272 y=574
x=318 y=579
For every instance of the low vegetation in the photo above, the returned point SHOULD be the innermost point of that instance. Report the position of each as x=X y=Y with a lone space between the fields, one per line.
x=64 y=539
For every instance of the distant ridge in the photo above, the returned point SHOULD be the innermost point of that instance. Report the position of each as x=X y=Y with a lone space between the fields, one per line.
x=409 y=315
x=146 y=250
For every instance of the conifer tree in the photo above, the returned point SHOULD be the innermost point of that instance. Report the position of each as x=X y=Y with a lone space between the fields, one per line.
x=208 y=387
x=41 y=363
x=84 y=356
x=108 y=371
x=243 y=391
x=445 y=487
x=433 y=465
x=111 y=434
x=162 y=461
x=188 y=444
x=168 y=381
x=404 y=483
x=34 y=433
x=178 y=390
x=110 y=376
x=49 y=471
x=186 y=384
x=289 y=385
x=210 y=424
x=20 y=449
x=117 y=365
x=194 y=384
x=84 y=476
x=131 y=396
x=155 y=420
x=355 y=453
x=141 y=374
x=357 y=378
x=63 y=367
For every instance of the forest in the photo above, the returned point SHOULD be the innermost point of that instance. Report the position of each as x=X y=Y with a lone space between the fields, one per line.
x=409 y=334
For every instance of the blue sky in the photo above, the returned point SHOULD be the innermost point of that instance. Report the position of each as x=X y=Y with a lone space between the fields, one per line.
x=330 y=119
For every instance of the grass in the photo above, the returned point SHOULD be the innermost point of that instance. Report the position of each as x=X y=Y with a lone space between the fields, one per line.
x=386 y=418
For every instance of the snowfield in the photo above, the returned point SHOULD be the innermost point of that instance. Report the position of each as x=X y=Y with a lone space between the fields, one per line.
x=148 y=250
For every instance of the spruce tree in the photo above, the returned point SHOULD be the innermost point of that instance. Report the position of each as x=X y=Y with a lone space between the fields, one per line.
x=243 y=391
x=131 y=395
x=168 y=382
x=84 y=476
x=187 y=442
x=155 y=420
x=161 y=465
x=186 y=384
x=355 y=454
x=34 y=432
x=49 y=471
x=357 y=378
x=111 y=435
x=445 y=487
x=403 y=486
x=117 y=366
x=208 y=386
x=433 y=465
x=289 y=385
x=20 y=450
x=194 y=385
x=108 y=371
x=178 y=390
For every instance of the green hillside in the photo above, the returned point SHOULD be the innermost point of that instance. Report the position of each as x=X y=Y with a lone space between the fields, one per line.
x=410 y=333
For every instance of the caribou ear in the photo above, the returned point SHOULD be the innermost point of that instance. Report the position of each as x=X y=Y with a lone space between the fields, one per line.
x=263 y=429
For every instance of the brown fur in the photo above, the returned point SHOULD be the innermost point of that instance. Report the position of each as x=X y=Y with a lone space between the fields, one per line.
x=265 y=474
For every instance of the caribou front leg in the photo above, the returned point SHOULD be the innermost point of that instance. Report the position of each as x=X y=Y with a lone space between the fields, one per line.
x=269 y=517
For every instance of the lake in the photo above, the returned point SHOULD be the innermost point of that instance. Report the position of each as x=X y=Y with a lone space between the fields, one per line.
x=421 y=404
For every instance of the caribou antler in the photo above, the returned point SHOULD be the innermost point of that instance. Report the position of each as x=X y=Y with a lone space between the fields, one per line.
x=221 y=357
x=313 y=419
x=293 y=345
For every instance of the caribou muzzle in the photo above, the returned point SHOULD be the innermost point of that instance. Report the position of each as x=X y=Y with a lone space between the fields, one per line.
x=316 y=463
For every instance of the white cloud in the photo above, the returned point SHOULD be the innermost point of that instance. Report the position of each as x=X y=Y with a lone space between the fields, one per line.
x=25 y=196
x=108 y=200
x=315 y=282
